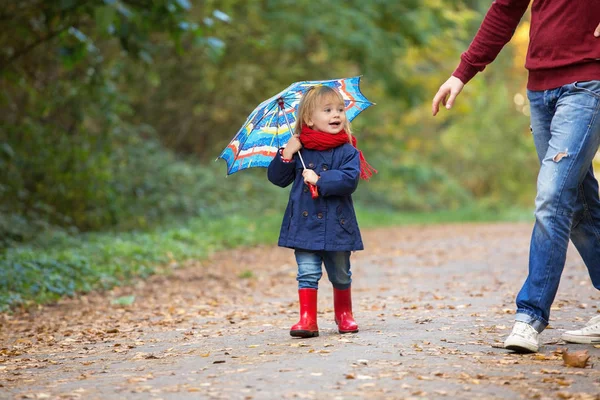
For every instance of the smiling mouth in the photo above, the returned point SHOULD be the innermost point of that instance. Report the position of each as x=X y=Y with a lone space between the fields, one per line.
x=336 y=124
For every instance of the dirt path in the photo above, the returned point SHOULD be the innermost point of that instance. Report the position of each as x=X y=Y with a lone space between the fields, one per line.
x=433 y=304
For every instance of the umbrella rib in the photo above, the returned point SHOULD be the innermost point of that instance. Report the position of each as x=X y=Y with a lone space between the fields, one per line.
x=248 y=121
x=352 y=101
x=270 y=144
x=287 y=122
x=277 y=134
x=276 y=131
x=242 y=144
x=289 y=127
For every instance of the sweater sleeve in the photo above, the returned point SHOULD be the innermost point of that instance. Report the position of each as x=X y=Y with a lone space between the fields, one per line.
x=495 y=31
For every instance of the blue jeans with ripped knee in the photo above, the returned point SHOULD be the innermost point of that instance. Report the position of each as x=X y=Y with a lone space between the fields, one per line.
x=337 y=264
x=565 y=124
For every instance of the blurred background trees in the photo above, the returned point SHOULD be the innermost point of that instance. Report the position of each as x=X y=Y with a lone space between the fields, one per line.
x=112 y=111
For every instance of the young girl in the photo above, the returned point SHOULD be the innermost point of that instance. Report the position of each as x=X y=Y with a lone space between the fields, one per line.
x=322 y=229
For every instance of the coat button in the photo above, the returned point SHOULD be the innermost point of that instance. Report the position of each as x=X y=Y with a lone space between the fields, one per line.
x=342 y=221
x=305 y=189
x=311 y=165
x=305 y=213
x=325 y=167
x=320 y=215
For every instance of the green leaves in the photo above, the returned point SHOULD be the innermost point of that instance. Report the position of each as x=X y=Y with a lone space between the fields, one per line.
x=104 y=17
x=34 y=30
x=123 y=301
x=66 y=5
x=185 y=4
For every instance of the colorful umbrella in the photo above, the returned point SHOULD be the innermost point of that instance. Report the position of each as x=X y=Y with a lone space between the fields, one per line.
x=269 y=126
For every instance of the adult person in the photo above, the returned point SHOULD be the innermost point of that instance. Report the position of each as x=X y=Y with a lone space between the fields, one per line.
x=563 y=89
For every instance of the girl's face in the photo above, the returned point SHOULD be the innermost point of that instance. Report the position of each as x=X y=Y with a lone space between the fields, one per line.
x=329 y=116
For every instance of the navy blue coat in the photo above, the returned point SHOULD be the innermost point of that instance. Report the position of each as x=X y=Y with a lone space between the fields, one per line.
x=329 y=221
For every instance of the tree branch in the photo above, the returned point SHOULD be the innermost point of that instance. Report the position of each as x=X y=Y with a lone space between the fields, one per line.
x=20 y=53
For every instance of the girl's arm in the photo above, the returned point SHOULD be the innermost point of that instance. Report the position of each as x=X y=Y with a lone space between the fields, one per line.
x=281 y=172
x=342 y=181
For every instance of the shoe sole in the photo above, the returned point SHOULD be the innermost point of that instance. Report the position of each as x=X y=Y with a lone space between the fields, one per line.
x=304 y=334
x=580 y=339
x=520 y=346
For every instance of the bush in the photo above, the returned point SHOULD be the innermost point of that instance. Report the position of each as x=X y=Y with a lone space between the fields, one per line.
x=131 y=183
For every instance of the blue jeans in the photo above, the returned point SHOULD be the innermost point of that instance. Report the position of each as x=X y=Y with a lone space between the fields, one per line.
x=565 y=123
x=337 y=264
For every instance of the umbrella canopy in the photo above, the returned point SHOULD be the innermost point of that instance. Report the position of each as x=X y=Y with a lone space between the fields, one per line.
x=270 y=125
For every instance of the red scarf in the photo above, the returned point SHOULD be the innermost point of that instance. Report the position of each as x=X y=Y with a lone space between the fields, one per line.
x=316 y=140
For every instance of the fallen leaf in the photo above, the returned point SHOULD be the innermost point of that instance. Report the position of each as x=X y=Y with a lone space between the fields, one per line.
x=550 y=371
x=577 y=359
x=137 y=379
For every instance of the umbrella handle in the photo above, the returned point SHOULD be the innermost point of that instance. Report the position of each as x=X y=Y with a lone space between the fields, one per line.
x=314 y=193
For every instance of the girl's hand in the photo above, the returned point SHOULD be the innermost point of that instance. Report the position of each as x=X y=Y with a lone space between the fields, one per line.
x=597 y=31
x=292 y=147
x=310 y=176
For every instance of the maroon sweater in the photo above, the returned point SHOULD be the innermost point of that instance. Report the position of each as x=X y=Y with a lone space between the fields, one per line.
x=562 y=45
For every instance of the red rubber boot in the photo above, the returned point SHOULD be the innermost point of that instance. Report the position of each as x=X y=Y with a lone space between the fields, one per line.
x=342 y=304
x=307 y=326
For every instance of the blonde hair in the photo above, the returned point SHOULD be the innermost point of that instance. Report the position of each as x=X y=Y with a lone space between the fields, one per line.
x=311 y=100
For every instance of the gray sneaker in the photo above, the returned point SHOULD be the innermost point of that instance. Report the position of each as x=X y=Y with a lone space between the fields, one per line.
x=523 y=339
x=590 y=333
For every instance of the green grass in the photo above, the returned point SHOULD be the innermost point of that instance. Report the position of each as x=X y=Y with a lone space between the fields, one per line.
x=378 y=218
x=58 y=265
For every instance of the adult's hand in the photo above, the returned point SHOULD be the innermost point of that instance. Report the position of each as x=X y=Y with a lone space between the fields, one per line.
x=597 y=31
x=453 y=86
